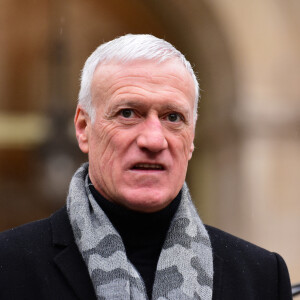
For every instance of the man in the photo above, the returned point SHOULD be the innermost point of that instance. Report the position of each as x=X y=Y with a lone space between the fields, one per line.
x=129 y=229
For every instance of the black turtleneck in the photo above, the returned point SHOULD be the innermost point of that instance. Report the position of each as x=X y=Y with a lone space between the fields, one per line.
x=143 y=234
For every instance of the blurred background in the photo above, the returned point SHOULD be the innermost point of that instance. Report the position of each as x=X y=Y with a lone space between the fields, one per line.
x=245 y=173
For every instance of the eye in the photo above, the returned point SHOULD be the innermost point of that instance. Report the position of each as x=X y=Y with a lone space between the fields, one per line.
x=174 y=117
x=126 y=113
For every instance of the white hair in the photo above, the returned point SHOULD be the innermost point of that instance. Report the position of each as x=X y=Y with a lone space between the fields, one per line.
x=127 y=48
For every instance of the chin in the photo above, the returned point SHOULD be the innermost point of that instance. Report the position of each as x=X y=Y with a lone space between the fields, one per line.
x=147 y=202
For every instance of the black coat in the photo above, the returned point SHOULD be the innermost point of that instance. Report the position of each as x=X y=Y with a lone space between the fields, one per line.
x=40 y=260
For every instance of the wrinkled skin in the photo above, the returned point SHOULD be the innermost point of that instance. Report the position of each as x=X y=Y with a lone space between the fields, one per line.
x=141 y=139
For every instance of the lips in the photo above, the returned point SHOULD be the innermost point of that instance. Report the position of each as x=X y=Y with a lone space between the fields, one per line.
x=148 y=166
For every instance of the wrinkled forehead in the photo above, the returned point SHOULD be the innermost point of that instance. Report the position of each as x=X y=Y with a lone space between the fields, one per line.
x=170 y=72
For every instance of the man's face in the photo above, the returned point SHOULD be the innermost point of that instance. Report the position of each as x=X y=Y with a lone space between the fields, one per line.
x=142 y=137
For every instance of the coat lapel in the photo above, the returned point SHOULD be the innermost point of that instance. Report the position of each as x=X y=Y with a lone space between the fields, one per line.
x=69 y=260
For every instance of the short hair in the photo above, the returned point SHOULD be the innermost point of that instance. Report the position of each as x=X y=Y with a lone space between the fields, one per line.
x=127 y=48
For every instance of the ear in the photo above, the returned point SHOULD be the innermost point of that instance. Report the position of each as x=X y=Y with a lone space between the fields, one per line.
x=191 y=150
x=82 y=126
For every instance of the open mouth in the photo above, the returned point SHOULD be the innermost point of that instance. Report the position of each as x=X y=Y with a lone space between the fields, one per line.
x=148 y=167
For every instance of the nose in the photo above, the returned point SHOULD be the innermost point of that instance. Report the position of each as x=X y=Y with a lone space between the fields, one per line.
x=152 y=137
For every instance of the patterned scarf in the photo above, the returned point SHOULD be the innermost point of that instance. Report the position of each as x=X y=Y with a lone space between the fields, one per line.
x=185 y=265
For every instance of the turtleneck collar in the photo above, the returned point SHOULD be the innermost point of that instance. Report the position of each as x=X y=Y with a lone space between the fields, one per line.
x=143 y=234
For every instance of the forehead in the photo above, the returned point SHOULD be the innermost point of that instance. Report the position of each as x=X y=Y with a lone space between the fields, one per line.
x=143 y=78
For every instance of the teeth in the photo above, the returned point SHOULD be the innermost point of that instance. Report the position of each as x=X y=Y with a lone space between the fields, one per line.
x=148 y=166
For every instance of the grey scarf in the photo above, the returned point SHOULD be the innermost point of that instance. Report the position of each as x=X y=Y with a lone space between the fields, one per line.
x=185 y=265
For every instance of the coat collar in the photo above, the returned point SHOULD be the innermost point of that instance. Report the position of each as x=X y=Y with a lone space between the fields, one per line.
x=69 y=260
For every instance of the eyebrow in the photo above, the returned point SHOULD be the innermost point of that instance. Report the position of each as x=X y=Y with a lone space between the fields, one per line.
x=126 y=103
x=140 y=104
x=174 y=107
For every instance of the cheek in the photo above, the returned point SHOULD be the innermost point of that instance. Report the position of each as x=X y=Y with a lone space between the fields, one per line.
x=102 y=142
x=181 y=153
x=110 y=143
x=182 y=145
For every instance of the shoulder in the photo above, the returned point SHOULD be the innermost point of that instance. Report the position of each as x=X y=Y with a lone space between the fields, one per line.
x=36 y=259
x=247 y=269
x=30 y=234
x=26 y=249
x=30 y=239
x=226 y=244
x=233 y=249
x=23 y=251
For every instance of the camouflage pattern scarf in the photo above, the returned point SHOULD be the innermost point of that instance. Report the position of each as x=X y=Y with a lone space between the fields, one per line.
x=185 y=265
